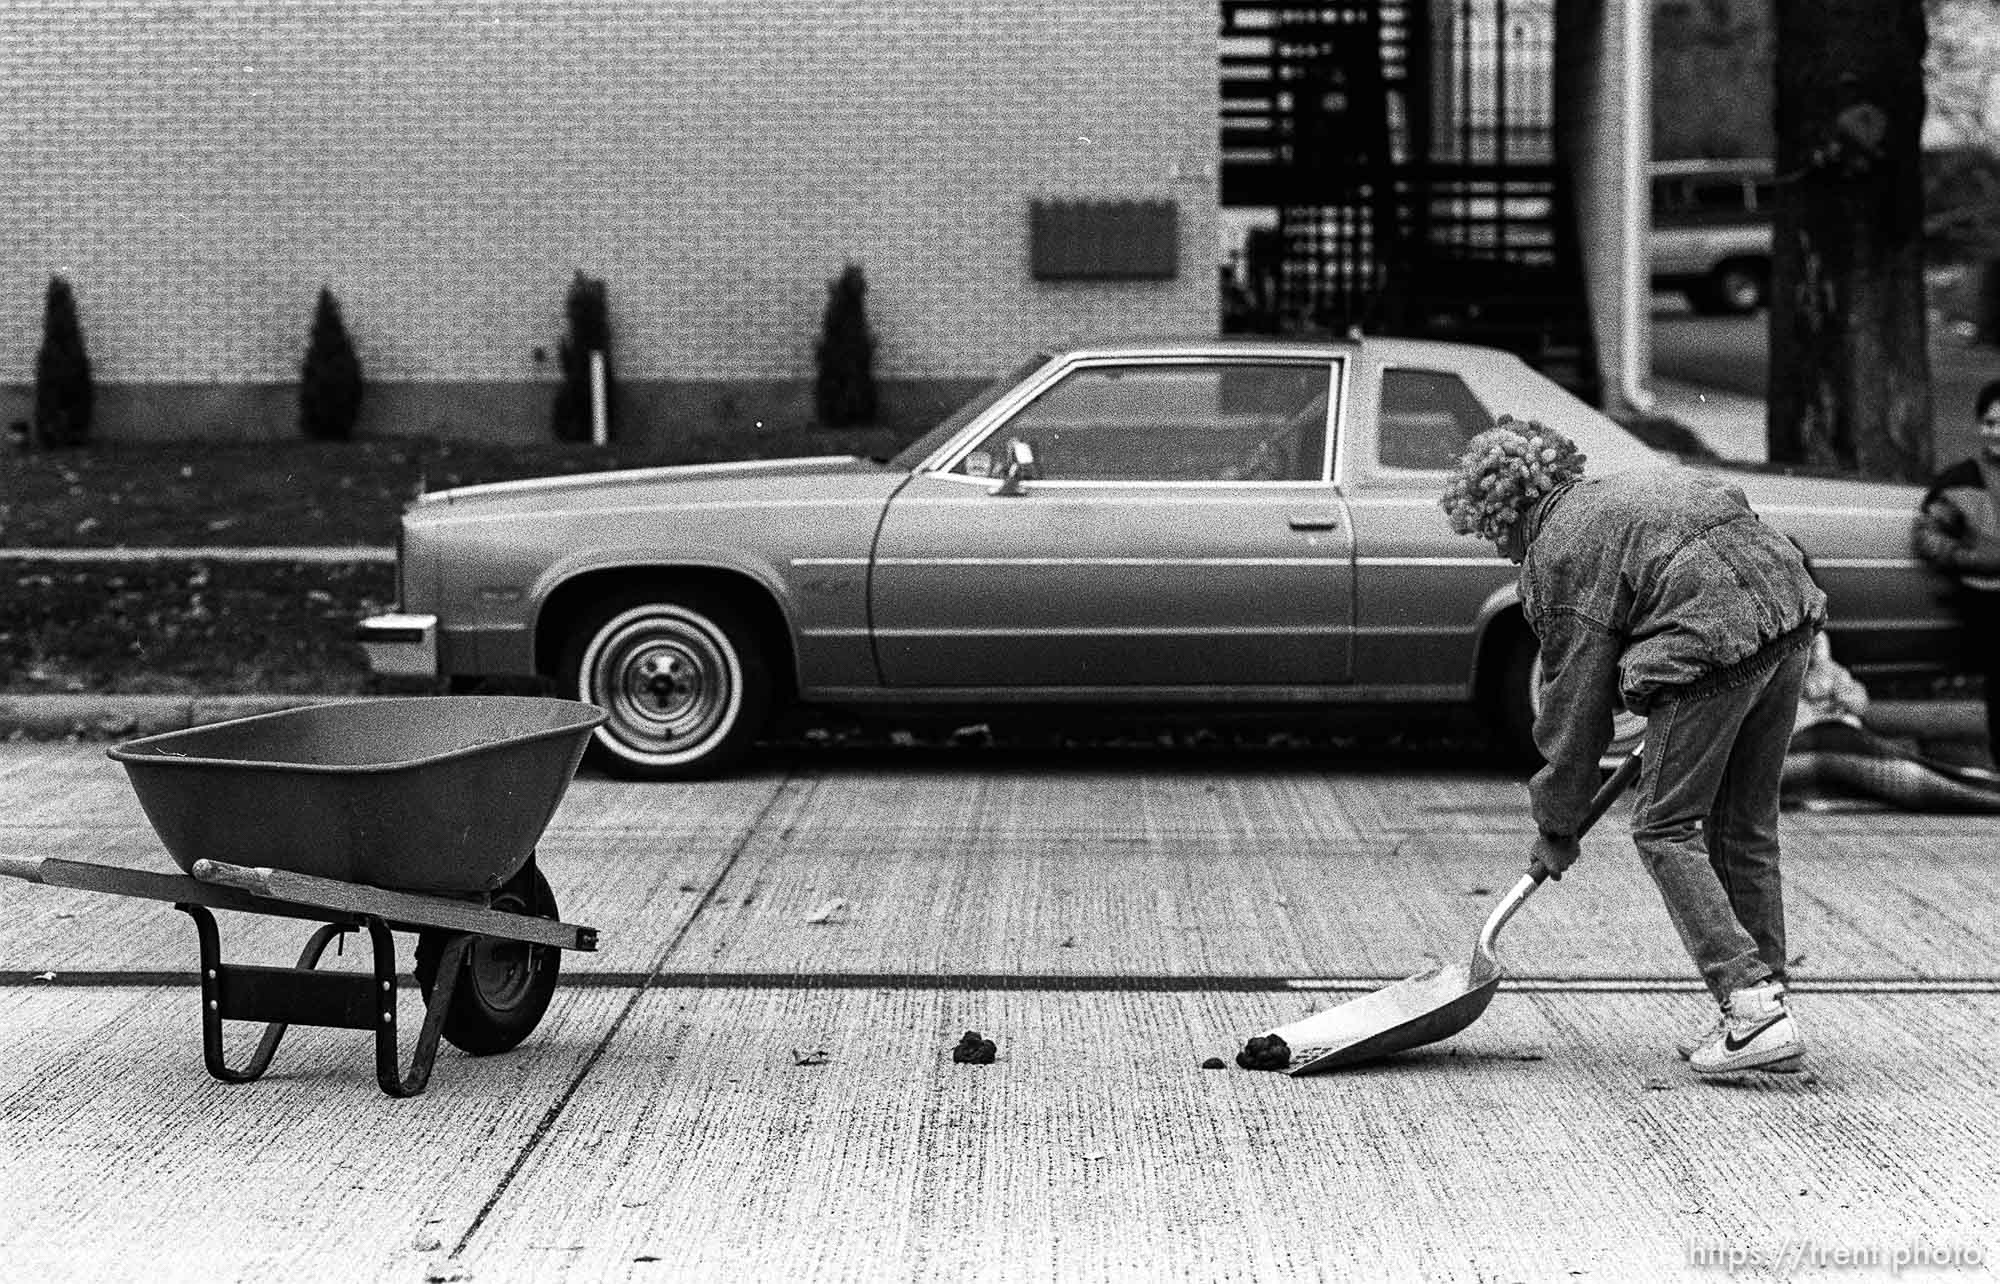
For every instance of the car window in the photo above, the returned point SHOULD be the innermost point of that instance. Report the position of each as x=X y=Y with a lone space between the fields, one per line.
x=1172 y=421
x=1729 y=197
x=1426 y=417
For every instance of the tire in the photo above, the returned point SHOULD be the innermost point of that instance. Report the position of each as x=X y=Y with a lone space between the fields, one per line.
x=506 y=985
x=682 y=678
x=1510 y=702
x=1516 y=703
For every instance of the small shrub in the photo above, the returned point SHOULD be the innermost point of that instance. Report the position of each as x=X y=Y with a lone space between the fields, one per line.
x=330 y=384
x=64 y=397
x=589 y=331
x=844 y=394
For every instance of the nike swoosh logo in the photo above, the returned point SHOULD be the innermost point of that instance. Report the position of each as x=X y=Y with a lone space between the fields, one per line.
x=1731 y=1043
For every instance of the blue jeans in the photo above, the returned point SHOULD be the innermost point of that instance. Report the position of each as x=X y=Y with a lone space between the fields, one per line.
x=1705 y=819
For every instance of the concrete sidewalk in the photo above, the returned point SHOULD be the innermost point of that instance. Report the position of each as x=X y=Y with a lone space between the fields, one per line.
x=110 y=715
x=743 y=1084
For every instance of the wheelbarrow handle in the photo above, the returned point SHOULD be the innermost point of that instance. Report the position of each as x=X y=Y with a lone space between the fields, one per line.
x=1600 y=802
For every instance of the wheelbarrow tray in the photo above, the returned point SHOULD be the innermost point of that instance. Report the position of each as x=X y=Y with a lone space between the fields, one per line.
x=442 y=794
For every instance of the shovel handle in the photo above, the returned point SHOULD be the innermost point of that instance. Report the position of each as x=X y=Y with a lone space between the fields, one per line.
x=1505 y=910
x=1600 y=802
x=1607 y=793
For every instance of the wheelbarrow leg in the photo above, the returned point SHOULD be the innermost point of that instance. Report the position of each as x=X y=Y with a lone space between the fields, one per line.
x=387 y=1073
x=212 y=984
x=283 y=997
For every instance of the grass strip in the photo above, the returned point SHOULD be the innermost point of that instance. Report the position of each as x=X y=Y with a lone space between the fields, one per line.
x=188 y=626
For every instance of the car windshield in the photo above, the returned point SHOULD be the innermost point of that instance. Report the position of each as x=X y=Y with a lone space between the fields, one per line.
x=919 y=450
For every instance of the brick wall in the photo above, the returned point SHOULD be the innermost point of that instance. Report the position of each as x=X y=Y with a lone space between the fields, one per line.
x=198 y=170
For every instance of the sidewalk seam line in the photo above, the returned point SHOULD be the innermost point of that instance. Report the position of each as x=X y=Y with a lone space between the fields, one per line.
x=1070 y=983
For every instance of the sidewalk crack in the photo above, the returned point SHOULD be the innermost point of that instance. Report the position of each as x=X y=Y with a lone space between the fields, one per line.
x=546 y=1125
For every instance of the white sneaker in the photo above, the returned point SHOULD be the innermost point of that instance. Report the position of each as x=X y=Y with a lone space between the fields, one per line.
x=1757 y=1033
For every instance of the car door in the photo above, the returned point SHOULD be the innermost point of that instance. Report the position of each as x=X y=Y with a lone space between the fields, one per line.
x=1420 y=590
x=1178 y=530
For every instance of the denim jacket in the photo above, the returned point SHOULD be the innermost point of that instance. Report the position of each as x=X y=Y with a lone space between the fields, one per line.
x=1641 y=586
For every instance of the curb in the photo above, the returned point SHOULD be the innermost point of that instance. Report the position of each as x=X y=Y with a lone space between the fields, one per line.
x=137 y=715
x=309 y=554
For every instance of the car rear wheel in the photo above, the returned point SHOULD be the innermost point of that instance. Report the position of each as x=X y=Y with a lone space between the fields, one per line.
x=1517 y=702
x=1510 y=695
x=684 y=684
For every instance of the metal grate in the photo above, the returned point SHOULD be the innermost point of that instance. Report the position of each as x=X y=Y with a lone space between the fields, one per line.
x=1406 y=153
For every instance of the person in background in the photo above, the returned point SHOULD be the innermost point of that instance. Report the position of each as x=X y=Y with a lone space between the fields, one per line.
x=1957 y=530
x=1836 y=759
x=1831 y=694
x=1835 y=756
x=1661 y=590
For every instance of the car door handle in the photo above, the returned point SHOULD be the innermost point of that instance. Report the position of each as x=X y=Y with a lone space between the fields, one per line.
x=1315 y=521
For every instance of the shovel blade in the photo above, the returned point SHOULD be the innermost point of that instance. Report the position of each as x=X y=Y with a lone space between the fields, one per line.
x=1427 y=1007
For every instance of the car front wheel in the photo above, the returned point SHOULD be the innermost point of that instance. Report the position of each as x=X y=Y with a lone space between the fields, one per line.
x=682 y=680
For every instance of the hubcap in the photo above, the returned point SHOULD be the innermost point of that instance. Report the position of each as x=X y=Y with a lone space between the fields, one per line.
x=669 y=681
x=502 y=971
x=665 y=680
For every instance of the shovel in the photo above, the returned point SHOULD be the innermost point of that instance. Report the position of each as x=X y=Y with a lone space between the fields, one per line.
x=1432 y=1005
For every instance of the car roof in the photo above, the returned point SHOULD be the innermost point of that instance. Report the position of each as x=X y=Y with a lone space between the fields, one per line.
x=1378 y=347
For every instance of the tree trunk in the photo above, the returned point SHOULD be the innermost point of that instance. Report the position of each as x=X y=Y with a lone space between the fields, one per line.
x=1850 y=371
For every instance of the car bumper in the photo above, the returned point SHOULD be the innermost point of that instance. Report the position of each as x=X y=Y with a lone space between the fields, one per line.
x=400 y=645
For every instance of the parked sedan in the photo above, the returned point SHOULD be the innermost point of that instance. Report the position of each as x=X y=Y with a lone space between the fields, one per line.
x=1232 y=524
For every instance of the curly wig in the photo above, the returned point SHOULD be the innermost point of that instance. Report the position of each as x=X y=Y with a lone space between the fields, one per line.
x=1503 y=472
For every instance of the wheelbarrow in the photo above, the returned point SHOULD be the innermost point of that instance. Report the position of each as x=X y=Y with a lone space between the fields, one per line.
x=416 y=814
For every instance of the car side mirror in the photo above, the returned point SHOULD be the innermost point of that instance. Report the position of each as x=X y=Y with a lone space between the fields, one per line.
x=1019 y=467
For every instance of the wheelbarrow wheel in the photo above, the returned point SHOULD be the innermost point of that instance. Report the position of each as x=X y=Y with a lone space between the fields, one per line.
x=506 y=985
